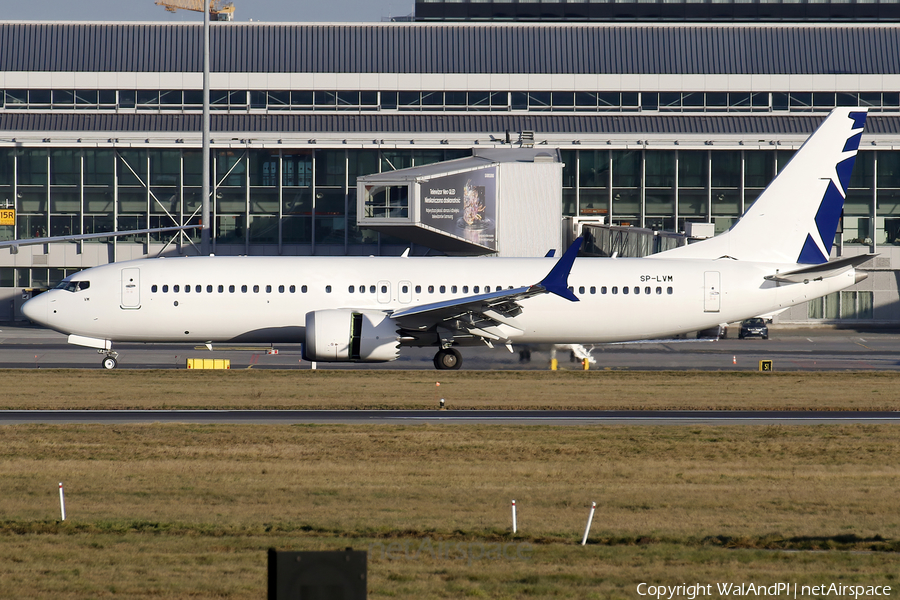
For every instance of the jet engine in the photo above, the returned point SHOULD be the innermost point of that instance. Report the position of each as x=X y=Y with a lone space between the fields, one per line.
x=342 y=335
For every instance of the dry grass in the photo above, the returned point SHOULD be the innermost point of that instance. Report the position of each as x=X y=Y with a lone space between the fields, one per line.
x=87 y=389
x=172 y=511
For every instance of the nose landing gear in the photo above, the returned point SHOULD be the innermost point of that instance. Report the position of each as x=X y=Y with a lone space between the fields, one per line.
x=109 y=362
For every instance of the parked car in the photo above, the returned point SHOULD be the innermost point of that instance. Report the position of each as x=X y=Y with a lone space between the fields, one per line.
x=755 y=327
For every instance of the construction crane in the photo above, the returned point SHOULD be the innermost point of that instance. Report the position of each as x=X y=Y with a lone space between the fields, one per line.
x=218 y=9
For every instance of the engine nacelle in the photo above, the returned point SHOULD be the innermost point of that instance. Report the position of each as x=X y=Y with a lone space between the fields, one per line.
x=342 y=335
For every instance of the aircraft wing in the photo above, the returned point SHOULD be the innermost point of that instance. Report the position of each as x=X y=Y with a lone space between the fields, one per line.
x=89 y=236
x=489 y=316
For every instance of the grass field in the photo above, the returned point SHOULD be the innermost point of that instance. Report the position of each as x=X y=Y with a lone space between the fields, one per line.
x=188 y=511
x=90 y=389
x=176 y=511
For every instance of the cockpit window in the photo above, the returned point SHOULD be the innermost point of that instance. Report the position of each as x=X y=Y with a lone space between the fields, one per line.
x=73 y=286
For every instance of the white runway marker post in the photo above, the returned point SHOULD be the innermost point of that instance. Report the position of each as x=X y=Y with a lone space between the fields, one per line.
x=587 y=529
x=514 y=515
x=62 y=503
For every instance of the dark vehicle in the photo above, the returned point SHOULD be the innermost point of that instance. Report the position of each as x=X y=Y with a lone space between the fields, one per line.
x=755 y=327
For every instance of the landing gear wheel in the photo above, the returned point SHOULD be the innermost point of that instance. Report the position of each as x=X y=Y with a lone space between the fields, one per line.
x=447 y=359
x=109 y=363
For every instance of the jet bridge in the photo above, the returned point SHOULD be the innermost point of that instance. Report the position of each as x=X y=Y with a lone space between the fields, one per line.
x=506 y=202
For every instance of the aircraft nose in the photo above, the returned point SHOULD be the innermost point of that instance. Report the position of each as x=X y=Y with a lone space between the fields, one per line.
x=36 y=309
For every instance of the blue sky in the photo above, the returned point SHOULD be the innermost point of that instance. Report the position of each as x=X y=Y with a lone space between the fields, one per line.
x=245 y=10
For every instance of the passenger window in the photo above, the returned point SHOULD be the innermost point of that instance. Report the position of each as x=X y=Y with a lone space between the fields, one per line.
x=209 y=289
x=175 y=288
x=571 y=289
x=647 y=290
x=371 y=289
x=637 y=290
x=268 y=289
x=243 y=289
x=153 y=288
x=384 y=289
x=418 y=289
x=187 y=289
x=165 y=289
x=221 y=289
x=230 y=289
x=465 y=289
x=581 y=289
x=659 y=290
x=475 y=289
x=487 y=289
x=302 y=289
x=280 y=289
x=593 y=290
x=615 y=290
x=198 y=288
x=255 y=289
x=443 y=289
x=405 y=289
x=327 y=289
x=292 y=289
x=603 y=289
x=452 y=289
x=350 y=289
x=668 y=290
x=430 y=289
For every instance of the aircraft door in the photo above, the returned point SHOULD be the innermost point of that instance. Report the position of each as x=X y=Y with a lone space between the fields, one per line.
x=711 y=291
x=405 y=289
x=131 y=288
x=384 y=292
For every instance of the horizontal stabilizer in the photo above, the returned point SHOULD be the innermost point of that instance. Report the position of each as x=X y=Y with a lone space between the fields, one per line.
x=822 y=271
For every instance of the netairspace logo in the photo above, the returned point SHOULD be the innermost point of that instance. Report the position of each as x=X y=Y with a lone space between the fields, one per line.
x=789 y=590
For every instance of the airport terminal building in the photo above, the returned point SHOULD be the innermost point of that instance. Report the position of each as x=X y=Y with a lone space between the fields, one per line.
x=656 y=125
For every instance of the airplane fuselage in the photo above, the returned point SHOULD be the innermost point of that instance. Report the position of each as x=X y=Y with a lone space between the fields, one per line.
x=266 y=299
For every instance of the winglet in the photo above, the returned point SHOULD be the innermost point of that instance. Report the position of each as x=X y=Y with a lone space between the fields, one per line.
x=557 y=280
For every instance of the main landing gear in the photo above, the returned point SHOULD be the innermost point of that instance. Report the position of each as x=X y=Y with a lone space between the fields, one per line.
x=447 y=359
x=109 y=362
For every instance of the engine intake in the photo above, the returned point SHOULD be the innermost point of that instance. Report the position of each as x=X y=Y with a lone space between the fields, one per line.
x=342 y=335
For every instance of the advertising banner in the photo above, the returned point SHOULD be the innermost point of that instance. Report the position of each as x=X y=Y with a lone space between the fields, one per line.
x=463 y=205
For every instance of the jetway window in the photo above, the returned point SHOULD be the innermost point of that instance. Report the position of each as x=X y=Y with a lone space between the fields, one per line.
x=387 y=202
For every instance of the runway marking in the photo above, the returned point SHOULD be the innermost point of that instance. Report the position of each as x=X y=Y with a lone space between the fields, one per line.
x=863 y=345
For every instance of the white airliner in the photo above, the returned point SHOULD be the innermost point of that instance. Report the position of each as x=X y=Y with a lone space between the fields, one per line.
x=367 y=309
